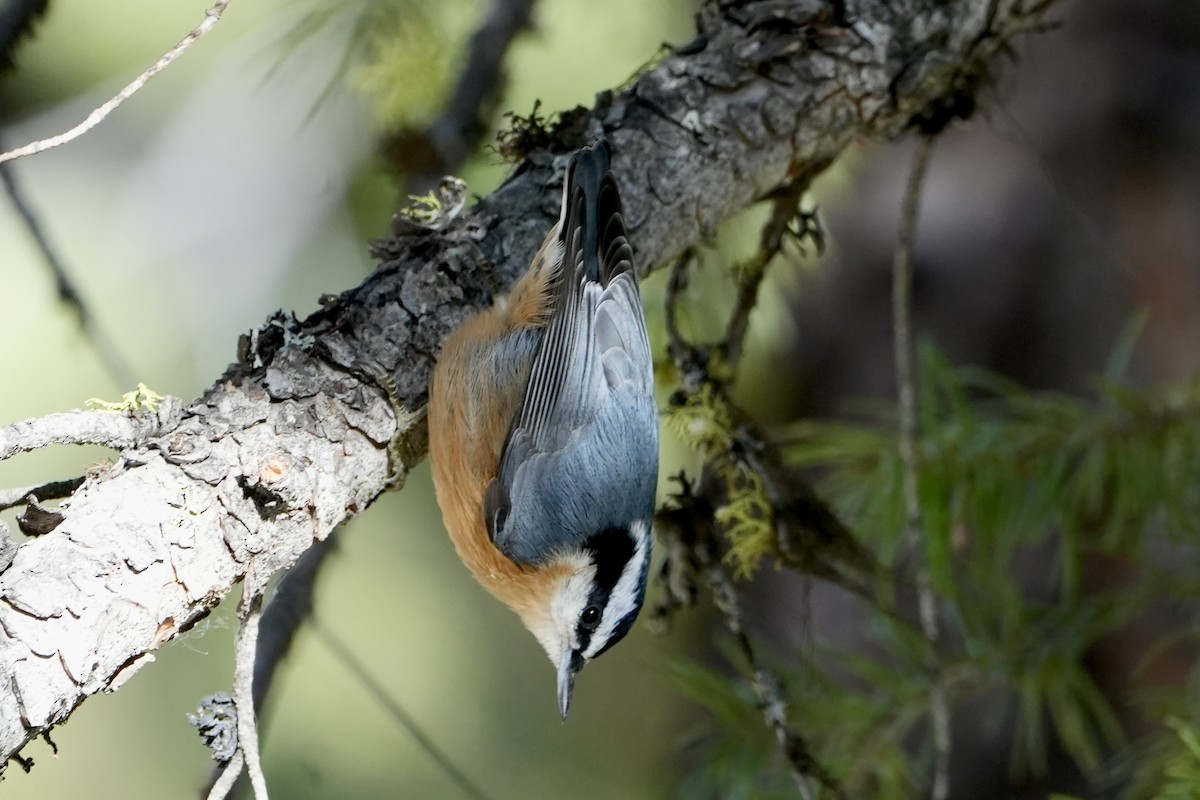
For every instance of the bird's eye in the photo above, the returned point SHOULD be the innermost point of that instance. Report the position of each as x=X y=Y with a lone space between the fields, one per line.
x=590 y=617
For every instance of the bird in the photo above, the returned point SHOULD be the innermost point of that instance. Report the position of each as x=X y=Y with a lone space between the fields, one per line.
x=543 y=433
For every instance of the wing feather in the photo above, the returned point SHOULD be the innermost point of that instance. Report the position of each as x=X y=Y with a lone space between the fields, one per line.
x=579 y=452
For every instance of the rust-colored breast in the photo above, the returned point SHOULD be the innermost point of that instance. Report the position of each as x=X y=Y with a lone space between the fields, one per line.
x=472 y=401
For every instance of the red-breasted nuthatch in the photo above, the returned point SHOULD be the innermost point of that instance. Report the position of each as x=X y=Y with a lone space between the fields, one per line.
x=543 y=433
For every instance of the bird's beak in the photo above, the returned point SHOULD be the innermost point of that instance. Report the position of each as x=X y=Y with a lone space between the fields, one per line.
x=566 y=682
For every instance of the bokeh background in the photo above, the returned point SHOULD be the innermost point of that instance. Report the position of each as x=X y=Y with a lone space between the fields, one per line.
x=246 y=178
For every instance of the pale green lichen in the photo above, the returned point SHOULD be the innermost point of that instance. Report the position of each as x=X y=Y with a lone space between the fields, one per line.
x=407 y=67
x=704 y=421
x=143 y=398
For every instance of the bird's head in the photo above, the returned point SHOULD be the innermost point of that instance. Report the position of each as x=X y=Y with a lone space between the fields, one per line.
x=592 y=596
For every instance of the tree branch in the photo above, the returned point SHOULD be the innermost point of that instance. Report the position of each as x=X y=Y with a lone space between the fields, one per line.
x=68 y=293
x=106 y=428
x=250 y=614
x=908 y=435
x=54 y=490
x=292 y=440
x=98 y=115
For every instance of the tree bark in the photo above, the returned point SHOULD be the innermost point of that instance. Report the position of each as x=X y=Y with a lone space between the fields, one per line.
x=293 y=439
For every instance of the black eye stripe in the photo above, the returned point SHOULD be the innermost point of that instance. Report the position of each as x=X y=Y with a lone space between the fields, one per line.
x=622 y=626
x=610 y=551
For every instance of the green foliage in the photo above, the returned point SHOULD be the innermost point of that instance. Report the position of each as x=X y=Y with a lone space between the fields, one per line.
x=399 y=52
x=863 y=730
x=1018 y=489
x=1181 y=762
x=1166 y=766
x=861 y=733
x=738 y=752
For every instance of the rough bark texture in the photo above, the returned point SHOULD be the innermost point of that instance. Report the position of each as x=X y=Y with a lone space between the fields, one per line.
x=293 y=439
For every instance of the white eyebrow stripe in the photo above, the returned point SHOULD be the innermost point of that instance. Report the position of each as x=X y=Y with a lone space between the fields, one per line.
x=623 y=600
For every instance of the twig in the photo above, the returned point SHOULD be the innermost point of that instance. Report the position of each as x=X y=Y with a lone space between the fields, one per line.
x=228 y=777
x=691 y=362
x=107 y=428
x=769 y=689
x=211 y=17
x=784 y=212
x=688 y=527
x=116 y=365
x=243 y=692
x=291 y=605
x=401 y=717
x=906 y=385
x=11 y=498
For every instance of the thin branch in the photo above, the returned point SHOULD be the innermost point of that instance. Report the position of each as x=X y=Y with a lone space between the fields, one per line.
x=354 y=666
x=290 y=607
x=211 y=17
x=688 y=527
x=54 y=490
x=243 y=692
x=107 y=428
x=808 y=536
x=456 y=133
x=107 y=351
x=228 y=777
x=906 y=384
x=691 y=361
x=696 y=510
x=769 y=688
x=786 y=218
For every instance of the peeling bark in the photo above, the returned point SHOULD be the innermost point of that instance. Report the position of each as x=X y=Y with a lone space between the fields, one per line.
x=293 y=439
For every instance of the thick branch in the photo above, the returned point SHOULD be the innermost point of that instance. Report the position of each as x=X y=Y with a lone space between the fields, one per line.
x=293 y=439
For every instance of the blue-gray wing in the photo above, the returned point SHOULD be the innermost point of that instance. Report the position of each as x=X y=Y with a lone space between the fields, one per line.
x=582 y=454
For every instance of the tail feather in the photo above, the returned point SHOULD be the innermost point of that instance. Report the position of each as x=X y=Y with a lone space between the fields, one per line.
x=593 y=230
